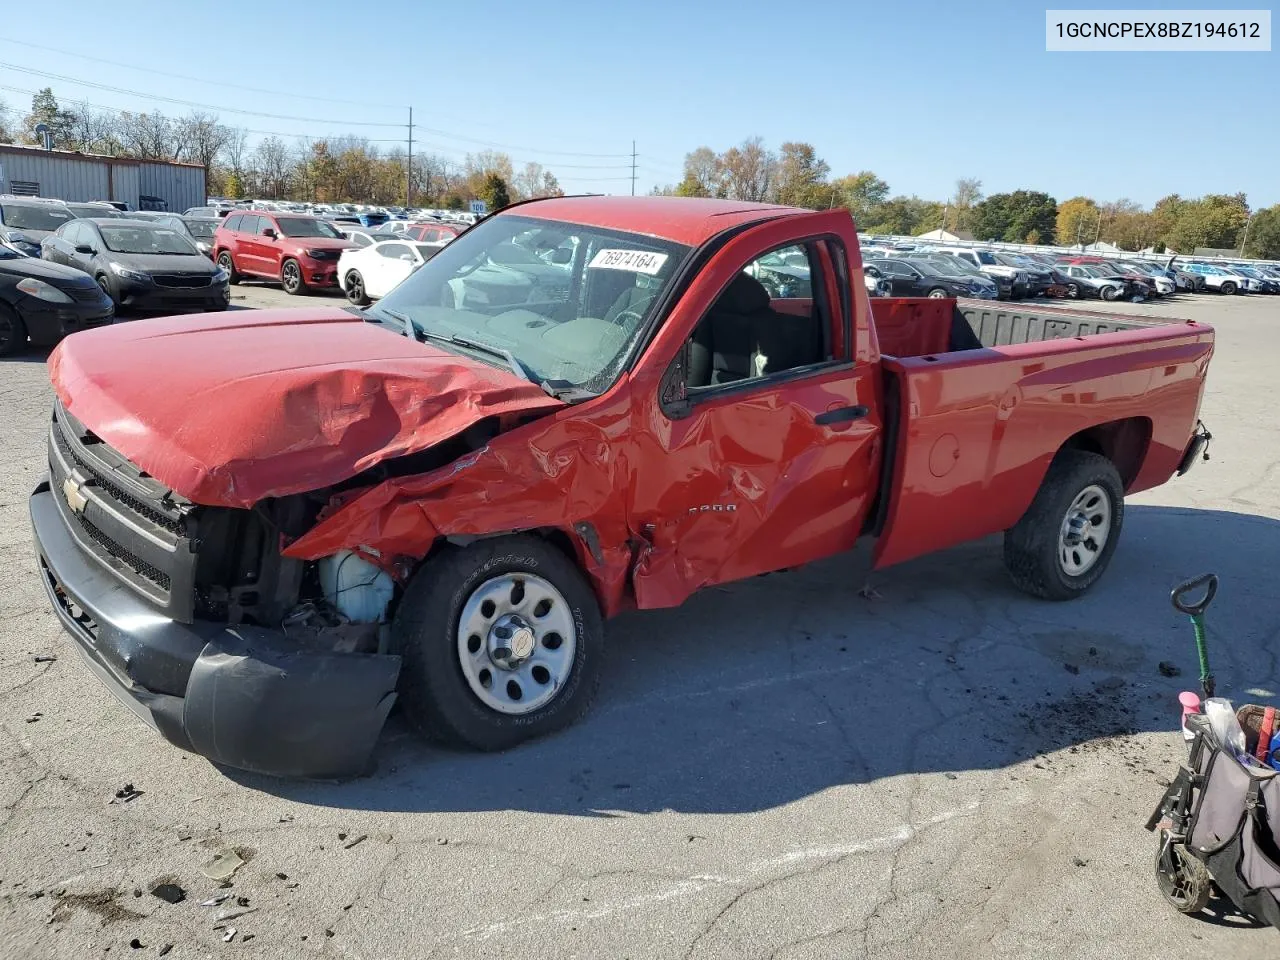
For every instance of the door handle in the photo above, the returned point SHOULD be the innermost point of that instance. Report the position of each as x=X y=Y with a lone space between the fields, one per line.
x=841 y=415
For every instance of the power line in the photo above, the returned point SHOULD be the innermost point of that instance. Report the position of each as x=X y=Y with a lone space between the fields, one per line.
x=190 y=103
x=182 y=76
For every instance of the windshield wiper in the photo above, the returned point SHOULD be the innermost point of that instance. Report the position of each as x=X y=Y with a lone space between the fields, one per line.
x=560 y=389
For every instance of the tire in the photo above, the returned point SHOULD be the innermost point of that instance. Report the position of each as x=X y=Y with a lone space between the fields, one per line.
x=291 y=277
x=1081 y=494
x=355 y=289
x=440 y=689
x=937 y=293
x=1183 y=879
x=1073 y=291
x=228 y=264
x=105 y=284
x=1228 y=288
x=1110 y=293
x=13 y=332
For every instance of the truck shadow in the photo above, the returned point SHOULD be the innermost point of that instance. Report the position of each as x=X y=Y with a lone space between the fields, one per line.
x=757 y=694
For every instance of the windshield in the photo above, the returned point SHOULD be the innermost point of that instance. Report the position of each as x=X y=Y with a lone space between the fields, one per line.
x=307 y=227
x=954 y=266
x=201 y=228
x=35 y=216
x=568 y=301
x=929 y=268
x=987 y=258
x=145 y=240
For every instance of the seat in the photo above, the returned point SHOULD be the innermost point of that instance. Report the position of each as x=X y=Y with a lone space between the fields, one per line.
x=742 y=337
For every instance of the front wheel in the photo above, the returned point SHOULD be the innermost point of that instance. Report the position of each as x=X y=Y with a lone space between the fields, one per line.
x=105 y=285
x=1065 y=540
x=1110 y=293
x=229 y=265
x=1229 y=288
x=1183 y=879
x=937 y=293
x=13 y=332
x=291 y=278
x=502 y=641
x=1073 y=291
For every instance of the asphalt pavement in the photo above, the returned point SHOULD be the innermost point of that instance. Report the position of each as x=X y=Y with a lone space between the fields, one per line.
x=781 y=768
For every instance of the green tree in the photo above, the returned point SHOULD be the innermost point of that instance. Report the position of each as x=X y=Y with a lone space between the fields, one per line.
x=233 y=186
x=1263 y=241
x=860 y=193
x=691 y=187
x=1077 y=221
x=494 y=192
x=45 y=109
x=801 y=177
x=1013 y=217
x=1212 y=221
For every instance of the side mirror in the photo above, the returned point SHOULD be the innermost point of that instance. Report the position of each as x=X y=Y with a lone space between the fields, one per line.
x=561 y=255
x=407 y=256
x=84 y=248
x=673 y=392
x=269 y=233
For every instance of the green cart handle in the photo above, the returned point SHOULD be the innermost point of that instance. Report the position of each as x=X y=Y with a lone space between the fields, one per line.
x=1209 y=581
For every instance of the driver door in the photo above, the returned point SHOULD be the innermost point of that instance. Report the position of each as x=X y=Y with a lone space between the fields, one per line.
x=759 y=448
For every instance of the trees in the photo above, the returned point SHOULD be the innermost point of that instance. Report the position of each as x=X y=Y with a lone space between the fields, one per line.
x=1264 y=234
x=1214 y=220
x=1077 y=221
x=968 y=194
x=801 y=177
x=748 y=171
x=494 y=191
x=45 y=110
x=1013 y=216
x=860 y=193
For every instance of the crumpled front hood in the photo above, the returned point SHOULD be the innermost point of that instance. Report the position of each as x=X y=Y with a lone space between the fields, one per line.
x=229 y=408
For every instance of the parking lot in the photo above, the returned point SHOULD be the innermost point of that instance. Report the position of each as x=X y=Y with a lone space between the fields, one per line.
x=781 y=768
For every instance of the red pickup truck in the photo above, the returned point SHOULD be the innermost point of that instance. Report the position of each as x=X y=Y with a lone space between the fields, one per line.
x=262 y=527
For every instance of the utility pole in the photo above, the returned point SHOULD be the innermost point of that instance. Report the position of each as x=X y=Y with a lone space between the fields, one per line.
x=408 y=172
x=1245 y=242
x=633 y=168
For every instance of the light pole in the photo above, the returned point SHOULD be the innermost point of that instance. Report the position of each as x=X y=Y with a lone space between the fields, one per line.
x=1245 y=241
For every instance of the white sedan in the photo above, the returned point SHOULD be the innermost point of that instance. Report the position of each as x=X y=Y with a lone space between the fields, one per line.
x=371 y=272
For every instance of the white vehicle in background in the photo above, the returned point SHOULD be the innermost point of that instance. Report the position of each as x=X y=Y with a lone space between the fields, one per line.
x=368 y=273
x=876 y=286
x=1216 y=278
x=986 y=261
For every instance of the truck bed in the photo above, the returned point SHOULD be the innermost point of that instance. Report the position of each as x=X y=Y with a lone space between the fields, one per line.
x=981 y=395
x=915 y=327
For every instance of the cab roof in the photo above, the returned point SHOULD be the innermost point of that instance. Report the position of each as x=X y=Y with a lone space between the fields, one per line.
x=687 y=220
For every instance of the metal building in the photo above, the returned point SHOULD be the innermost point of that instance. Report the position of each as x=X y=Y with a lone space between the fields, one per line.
x=67 y=175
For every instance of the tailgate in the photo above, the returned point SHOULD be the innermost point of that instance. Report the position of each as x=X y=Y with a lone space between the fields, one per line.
x=978 y=428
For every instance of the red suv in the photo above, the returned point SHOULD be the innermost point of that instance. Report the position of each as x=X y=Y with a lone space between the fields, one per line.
x=298 y=251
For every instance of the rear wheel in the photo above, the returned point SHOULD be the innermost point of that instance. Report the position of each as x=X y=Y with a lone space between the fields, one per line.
x=1228 y=288
x=1065 y=540
x=937 y=293
x=502 y=641
x=291 y=278
x=13 y=332
x=229 y=265
x=355 y=289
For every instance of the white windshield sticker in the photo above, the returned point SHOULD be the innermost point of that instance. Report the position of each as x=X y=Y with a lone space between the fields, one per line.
x=634 y=261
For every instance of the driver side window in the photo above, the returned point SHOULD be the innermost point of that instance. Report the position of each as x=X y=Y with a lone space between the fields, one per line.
x=773 y=318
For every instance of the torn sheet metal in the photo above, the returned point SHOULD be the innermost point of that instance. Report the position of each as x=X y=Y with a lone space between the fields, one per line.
x=229 y=408
x=560 y=472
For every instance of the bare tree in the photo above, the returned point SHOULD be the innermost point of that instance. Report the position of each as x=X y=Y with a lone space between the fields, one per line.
x=529 y=180
x=200 y=138
x=7 y=132
x=148 y=136
x=235 y=151
x=92 y=131
x=272 y=166
x=749 y=170
x=704 y=173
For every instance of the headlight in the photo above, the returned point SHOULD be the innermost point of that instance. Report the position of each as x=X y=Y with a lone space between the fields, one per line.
x=221 y=276
x=42 y=291
x=314 y=254
x=202 y=246
x=120 y=271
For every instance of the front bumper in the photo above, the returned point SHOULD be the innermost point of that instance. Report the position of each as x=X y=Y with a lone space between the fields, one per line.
x=243 y=696
x=47 y=323
x=319 y=273
x=136 y=295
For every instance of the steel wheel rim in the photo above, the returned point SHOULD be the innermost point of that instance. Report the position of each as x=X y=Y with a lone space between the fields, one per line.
x=355 y=287
x=937 y=295
x=291 y=275
x=516 y=641
x=1085 y=531
x=224 y=262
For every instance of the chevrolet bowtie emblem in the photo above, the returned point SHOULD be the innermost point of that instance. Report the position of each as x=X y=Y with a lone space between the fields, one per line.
x=75 y=499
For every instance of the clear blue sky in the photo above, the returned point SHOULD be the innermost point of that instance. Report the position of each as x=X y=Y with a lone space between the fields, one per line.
x=921 y=93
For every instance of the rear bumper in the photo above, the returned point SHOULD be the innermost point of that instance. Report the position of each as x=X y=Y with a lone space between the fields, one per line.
x=243 y=696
